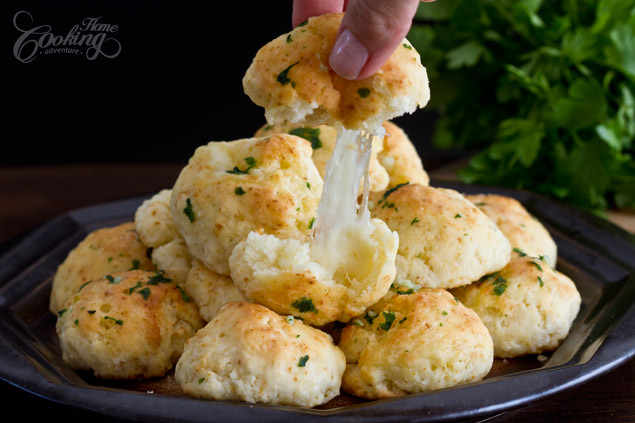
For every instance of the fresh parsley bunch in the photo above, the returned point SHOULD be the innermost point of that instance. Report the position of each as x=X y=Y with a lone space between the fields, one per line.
x=543 y=90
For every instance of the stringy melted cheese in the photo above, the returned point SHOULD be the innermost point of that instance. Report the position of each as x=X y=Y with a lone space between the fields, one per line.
x=343 y=225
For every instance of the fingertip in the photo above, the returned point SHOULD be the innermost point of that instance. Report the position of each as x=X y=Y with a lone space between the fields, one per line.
x=304 y=9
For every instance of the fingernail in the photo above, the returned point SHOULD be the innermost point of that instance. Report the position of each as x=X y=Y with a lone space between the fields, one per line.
x=348 y=56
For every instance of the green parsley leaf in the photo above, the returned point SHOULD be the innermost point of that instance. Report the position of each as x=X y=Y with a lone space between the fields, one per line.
x=389 y=317
x=304 y=305
x=158 y=278
x=117 y=321
x=135 y=264
x=363 y=92
x=188 y=211
x=251 y=163
x=390 y=191
x=239 y=191
x=309 y=134
x=145 y=292
x=302 y=361
x=113 y=280
x=283 y=77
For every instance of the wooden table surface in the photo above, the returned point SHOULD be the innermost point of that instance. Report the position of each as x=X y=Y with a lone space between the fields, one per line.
x=31 y=195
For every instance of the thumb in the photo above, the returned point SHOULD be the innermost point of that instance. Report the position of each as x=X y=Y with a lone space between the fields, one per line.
x=370 y=32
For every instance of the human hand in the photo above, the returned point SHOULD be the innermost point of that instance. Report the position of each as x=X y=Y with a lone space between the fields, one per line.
x=370 y=32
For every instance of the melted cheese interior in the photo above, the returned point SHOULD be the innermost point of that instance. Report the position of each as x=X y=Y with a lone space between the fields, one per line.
x=343 y=225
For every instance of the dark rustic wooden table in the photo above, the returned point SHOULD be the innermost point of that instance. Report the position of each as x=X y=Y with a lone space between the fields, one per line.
x=31 y=195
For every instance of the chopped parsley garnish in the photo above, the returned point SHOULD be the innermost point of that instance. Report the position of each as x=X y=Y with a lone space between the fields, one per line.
x=113 y=280
x=145 y=292
x=389 y=317
x=302 y=361
x=189 y=211
x=370 y=316
x=117 y=321
x=415 y=220
x=283 y=77
x=83 y=285
x=363 y=92
x=158 y=278
x=391 y=190
x=406 y=292
x=402 y=320
x=92 y=311
x=458 y=215
x=61 y=312
x=500 y=285
x=520 y=252
x=240 y=191
x=201 y=380
x=251 y=163
x=407 y=46
x=132 y=289
x=184 y=295
x=541 y=282
x=309 y=134
x=538 y=266
x=304 y=305
x=289 y=38
x=311 y=223
x=135 y=264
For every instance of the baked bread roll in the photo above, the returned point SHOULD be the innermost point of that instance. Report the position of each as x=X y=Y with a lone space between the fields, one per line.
x=521 y=228
x=229 y=189
x=414 y=341
x=249 y=353
x=283 y=274
x=291 y=79
x=527 y=307
x=127 y=325
x=101 y=252
x=445 y=241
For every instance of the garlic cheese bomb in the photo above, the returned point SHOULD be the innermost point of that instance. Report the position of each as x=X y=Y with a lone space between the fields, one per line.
x=291 y=79
x=283 y=275
x=101 y=252
x=521 y=228
x=445 y=241
x=249 y=353
x=527 y=307
x=414 y=341
x=229 y=189
x=127 y=325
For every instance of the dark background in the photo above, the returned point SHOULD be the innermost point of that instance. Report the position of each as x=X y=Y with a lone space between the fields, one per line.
x=176 y=84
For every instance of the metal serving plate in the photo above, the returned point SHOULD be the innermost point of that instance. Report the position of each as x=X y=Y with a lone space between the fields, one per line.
x=598 y=256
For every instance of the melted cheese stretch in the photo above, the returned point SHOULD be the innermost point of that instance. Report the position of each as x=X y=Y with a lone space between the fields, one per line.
x=341 y=221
